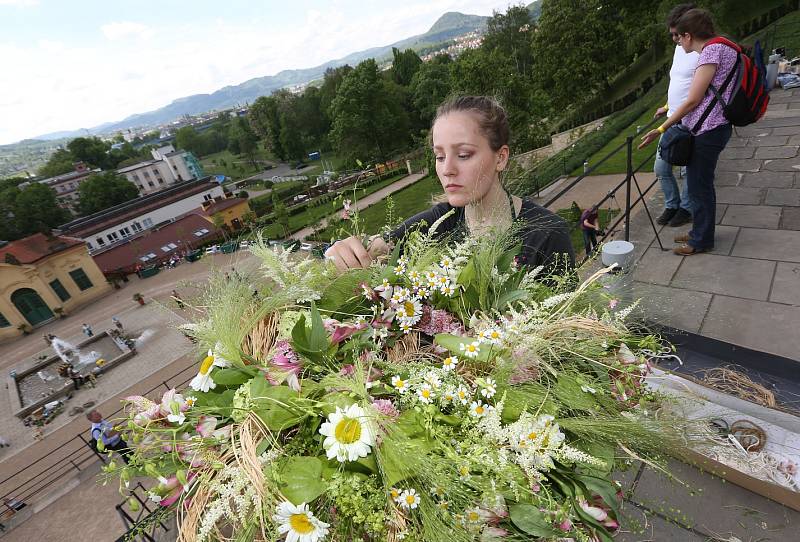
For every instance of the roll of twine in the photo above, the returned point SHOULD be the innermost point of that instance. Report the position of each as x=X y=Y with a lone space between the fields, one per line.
x=750 y=436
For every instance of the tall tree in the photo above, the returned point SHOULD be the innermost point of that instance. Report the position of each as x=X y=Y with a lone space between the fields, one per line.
x=92 y=150
x=368 y=121
x=60 y=162
x=36 y=210
x=430 y=86
x=187 y=138
x=8 y=221
x=264 y=117
x=578 y=46
x=103 y=190
x=404 y=65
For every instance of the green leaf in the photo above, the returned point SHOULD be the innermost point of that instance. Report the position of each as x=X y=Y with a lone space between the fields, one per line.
x=365 y=465
x=603 y=487
x=318 y=338
x=453 y=344
x=275 y=405
x=231 y=377
x=569 y=392
x=300 y=334
x=509 y=297
x=301 y=479
x=586 y=518
x=529 y=519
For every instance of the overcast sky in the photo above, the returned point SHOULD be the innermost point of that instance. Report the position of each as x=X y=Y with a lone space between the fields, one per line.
x=66 y=65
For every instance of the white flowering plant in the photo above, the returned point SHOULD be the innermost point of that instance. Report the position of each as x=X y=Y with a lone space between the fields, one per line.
x=444 y=395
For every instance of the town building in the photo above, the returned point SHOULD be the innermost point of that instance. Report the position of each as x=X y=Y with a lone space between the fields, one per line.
x=44 y=277
x=168 y=167
x=103 y=229
x=66 y=185
x=157 y=227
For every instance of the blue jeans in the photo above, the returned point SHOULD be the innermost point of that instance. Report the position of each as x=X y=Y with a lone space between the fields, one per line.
x=673 y=196
x=700 y=181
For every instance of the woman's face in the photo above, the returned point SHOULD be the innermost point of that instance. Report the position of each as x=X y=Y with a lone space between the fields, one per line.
x=466 y=165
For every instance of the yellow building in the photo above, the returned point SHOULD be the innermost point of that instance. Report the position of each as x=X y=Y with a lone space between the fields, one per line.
x=231 y=209
x=43 y=277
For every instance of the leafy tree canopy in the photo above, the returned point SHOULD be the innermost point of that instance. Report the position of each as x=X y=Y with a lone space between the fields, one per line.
x=103 y=190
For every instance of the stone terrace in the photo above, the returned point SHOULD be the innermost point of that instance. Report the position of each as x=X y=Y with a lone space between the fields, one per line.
x=747 y=291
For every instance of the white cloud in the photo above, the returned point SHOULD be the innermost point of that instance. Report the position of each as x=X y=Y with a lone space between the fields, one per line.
x=126 y=29
x=54 y=85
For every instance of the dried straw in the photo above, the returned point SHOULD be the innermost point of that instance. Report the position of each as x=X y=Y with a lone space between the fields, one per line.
x=408 y=349
x=261 y=338
x=732 y=382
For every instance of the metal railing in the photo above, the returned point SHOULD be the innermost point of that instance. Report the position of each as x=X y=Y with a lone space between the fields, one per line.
x=74 y=456
x=627 y=183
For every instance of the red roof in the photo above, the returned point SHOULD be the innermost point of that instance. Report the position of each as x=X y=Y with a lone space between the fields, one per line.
x=37 y=246
x=125 y=257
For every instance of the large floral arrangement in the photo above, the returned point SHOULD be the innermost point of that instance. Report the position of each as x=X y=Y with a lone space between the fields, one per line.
x=446 y=395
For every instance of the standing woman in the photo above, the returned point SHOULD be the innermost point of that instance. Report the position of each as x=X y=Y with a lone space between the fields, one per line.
x=470 y=137
x=702 y=114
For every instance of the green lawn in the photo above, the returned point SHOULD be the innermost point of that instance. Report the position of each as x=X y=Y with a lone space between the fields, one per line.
x=407 y=202
x=312 y=215
x=618 y=162
x=785 y=32
x=234 y=166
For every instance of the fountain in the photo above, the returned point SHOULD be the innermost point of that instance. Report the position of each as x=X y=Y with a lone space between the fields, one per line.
x=69 y=366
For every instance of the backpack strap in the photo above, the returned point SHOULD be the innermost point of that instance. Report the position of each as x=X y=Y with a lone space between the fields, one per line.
x=718 y=93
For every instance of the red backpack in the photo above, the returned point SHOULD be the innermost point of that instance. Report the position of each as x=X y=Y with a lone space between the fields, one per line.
x=749 y=99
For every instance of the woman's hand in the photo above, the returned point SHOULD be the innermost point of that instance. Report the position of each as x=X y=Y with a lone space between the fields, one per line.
x=648 y=138
x=350 y=253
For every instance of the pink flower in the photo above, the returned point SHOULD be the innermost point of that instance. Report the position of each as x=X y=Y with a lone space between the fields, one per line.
x=596 y=512
x=386 y=407
x=491 y=534
x=342 y=332
x=565 y=525
x=613 y=303
x=205 y=426
x=143 y=408
x=288 y=365
x=435 y=321
x=347 y=370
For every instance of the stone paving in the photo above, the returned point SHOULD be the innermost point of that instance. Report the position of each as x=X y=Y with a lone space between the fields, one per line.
x=747 y=290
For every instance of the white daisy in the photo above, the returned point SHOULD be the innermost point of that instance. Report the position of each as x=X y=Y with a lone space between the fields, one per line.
x=299 y=523
x=449 y=363
x=447 y=290
x=423 y=293
x=463 y=395
x=394 y=494
x=400 y=270
x=425 y=394
x=432 y=378
x=448 y=396
x=412 y=310
x=405 y=326
x=409 y=499
x=203 y=382
x=494 y=336
x=471 y=350
x=349 y=434
x=488 y=388
x=413 y=275
x=479 y=409
x=399 y=384
x=446 y=263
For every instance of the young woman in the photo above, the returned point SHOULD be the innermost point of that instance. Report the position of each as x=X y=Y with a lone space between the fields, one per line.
x=703 y=115
x=470 y=142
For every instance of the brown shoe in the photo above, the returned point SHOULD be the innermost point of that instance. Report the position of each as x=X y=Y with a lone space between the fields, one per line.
x=682 y=238
x=688 y=250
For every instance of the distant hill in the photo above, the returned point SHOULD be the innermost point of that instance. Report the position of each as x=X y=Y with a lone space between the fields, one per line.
x=447 y=27
x=535 y=9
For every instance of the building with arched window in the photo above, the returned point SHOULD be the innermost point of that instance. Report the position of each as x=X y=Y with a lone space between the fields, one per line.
x=42 y=278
